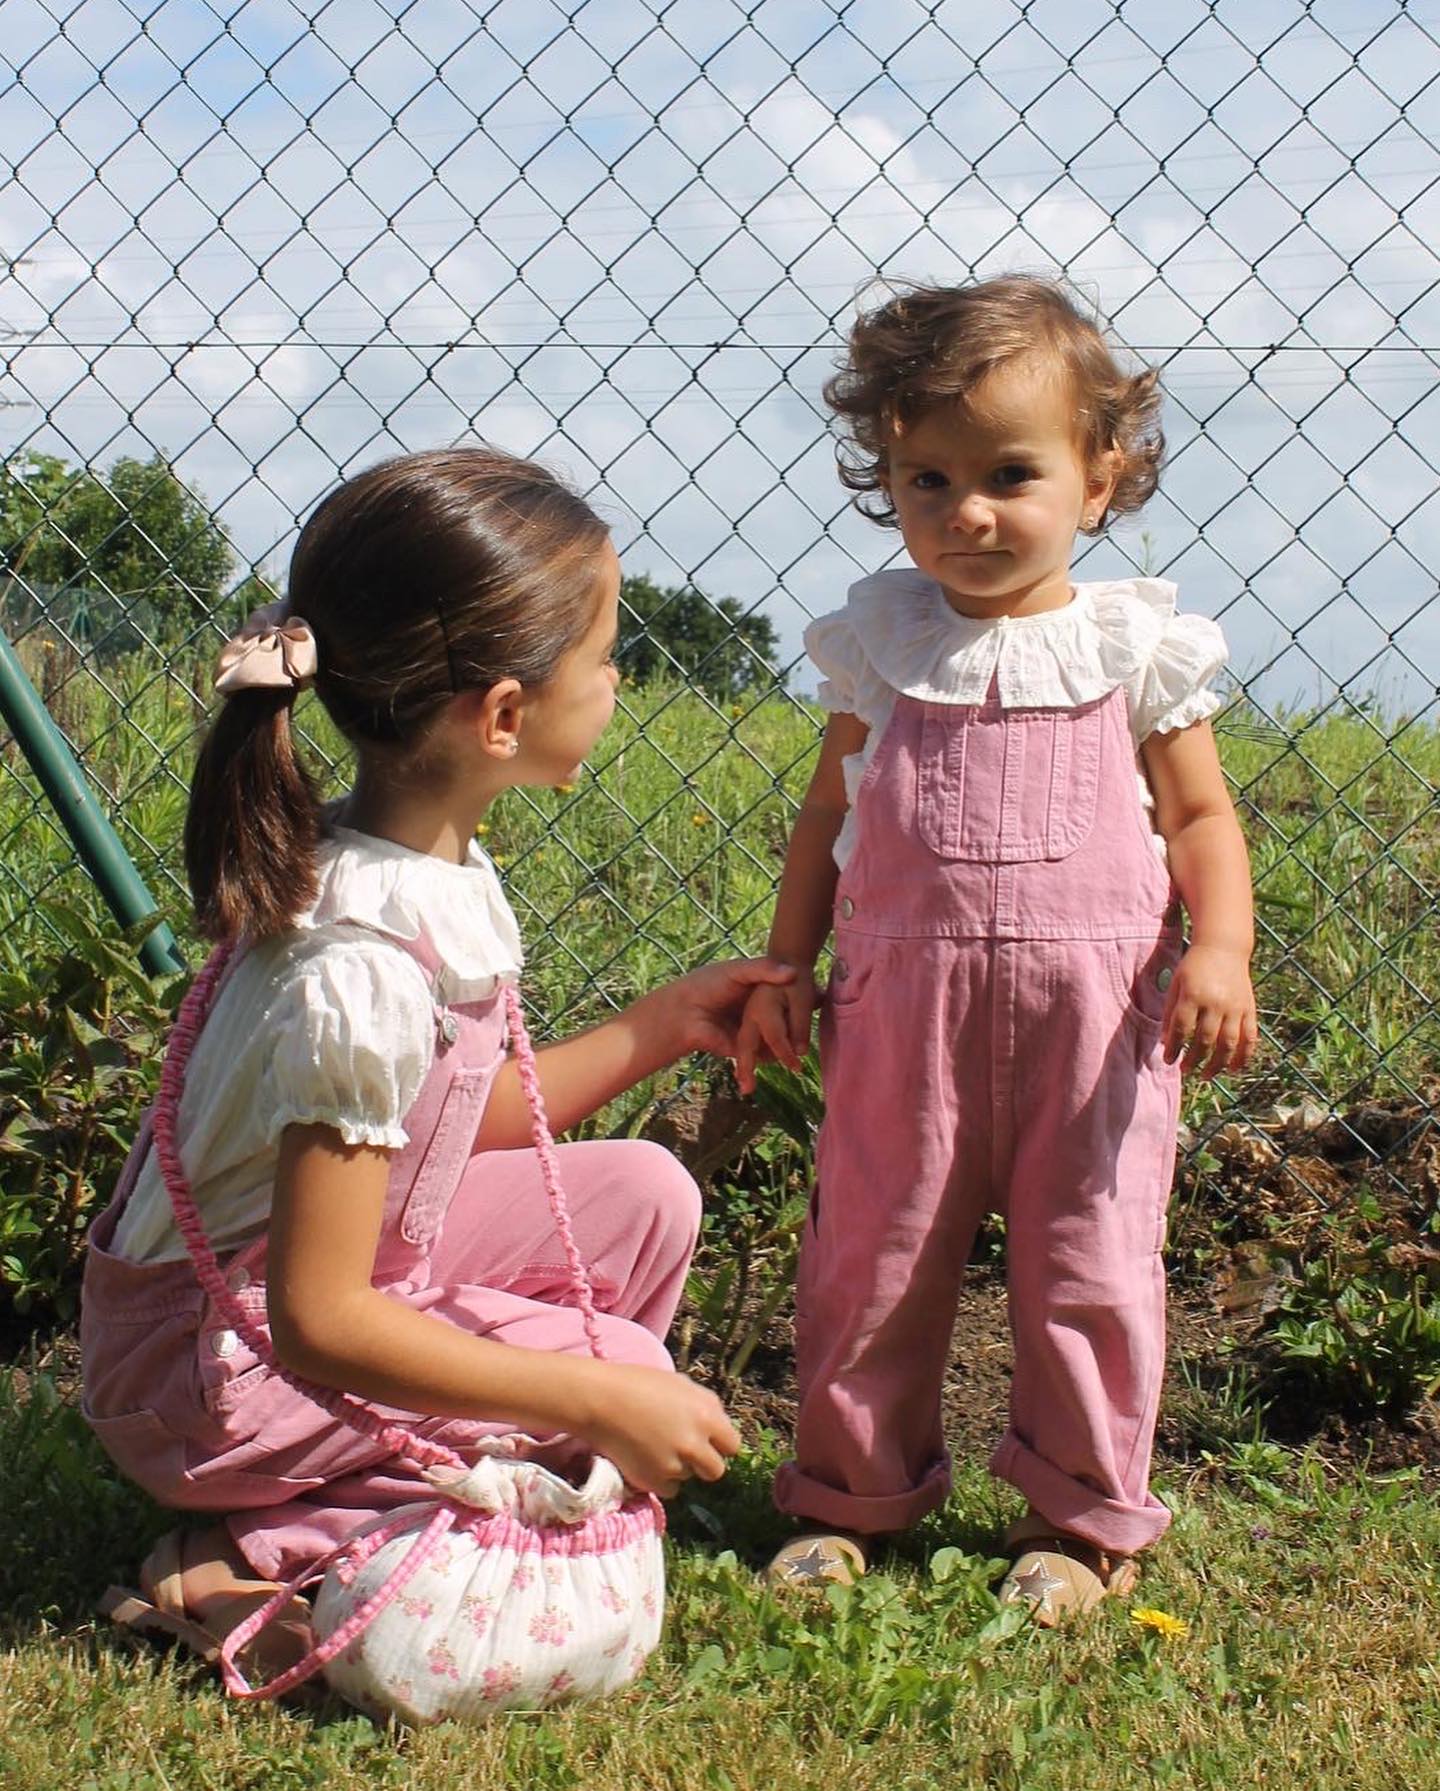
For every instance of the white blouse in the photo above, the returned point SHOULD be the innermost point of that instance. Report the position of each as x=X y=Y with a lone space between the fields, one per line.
x=897 y=636
x=329 y=1022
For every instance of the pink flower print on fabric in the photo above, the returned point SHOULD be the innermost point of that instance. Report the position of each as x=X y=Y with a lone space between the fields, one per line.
x=648 y=1601
x=523 y=1576
x=419 y=1608
x=551 y=1625
x=617 y=1647
x=613 y=1598
x=477 y=1612
x=442 y=1661
x=500 y=1681
x=560 y=1684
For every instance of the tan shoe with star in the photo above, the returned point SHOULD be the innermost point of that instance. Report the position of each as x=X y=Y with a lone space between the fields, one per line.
x=818 y=1558
x=1060 y=1576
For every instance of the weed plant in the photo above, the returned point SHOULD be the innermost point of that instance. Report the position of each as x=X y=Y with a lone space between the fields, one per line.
x=1358 y=1332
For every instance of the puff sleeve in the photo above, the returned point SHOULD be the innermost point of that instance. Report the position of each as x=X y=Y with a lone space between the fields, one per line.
x=850 y=684
x=830 y=641
x=353 y=1026
x=1174 y=687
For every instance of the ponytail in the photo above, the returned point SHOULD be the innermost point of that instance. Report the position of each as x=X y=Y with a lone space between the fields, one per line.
x=252 y=831
x=425 y=576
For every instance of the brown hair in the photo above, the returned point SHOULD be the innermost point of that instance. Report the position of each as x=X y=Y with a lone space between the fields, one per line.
x=422 y=577
x=929 y=346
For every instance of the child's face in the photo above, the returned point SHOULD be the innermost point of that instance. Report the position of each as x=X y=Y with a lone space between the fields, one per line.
x=565 y=719
x=989 y=494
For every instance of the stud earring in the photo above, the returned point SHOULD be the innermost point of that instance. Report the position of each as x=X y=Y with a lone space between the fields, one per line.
x=512 y=748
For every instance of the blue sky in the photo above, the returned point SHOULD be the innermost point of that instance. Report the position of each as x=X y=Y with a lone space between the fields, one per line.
x=276 y=242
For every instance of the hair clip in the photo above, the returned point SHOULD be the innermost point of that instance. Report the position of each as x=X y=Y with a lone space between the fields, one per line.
x=268 y=653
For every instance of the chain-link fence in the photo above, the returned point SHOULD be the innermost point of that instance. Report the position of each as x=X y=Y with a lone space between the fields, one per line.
x=248 y=247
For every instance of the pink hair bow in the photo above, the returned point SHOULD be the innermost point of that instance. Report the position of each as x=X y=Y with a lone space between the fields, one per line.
x=268 y=653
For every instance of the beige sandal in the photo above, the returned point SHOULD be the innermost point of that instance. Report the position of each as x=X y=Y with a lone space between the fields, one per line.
x=818 y=1557
x=161 y=1608
x=1060 y=1576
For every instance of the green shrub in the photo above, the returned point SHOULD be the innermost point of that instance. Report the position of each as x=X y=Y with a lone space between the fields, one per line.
x=81 y=1039
x=1359 y=1333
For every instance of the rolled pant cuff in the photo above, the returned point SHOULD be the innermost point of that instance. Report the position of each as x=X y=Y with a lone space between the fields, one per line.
x=798 y=1495
x=1076 y=1508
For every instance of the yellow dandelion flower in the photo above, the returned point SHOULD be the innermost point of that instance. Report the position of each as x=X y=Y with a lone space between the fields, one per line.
x=482 y=830
x=736 y=710
x=564 y=789
x=699 y=820
x=1174 y=1629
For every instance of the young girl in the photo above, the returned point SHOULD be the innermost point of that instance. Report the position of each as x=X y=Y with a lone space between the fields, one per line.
x=356 y=1139
x=1008 y=1005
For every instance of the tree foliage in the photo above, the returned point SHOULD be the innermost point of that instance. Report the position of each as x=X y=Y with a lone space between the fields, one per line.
x=677 y=631
x=106 y=555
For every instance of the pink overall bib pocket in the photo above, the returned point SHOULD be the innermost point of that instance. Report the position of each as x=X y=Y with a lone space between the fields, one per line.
x=1007 y=786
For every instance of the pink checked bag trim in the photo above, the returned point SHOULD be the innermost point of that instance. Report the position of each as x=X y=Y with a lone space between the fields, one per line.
x=601 y=1533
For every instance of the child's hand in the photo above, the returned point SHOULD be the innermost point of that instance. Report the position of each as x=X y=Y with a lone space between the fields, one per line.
x=1210 y=1015
x=702 y=1010
x=776 y=1024
x=661 y=1428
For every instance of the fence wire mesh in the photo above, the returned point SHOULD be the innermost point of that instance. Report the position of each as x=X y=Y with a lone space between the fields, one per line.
x=250 y=247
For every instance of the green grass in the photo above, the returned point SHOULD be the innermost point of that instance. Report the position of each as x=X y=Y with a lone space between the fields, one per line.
x=1310 y=1597
x=667 y=854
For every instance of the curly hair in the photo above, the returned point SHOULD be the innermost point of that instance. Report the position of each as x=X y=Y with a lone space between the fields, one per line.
x=930 y=346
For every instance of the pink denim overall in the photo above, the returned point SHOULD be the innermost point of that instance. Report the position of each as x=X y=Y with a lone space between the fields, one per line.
x=1005 y=931
x=186 y=1410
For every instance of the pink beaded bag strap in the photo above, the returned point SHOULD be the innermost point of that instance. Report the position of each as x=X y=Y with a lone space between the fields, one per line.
x=354 y=1412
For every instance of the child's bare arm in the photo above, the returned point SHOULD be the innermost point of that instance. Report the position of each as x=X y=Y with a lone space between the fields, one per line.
x=1210 y=1013
x=698 y=1012
x=332 y=1326
x=777 y=1020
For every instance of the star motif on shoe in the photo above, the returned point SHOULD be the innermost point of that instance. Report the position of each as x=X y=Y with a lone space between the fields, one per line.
x=815 y=1564
x=1035 y=1586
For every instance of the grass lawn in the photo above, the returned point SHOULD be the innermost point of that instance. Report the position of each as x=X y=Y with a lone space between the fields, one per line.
x=1310 y=1596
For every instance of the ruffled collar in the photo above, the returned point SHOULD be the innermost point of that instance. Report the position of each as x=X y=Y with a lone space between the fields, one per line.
x=919 y=646
x=459 y=908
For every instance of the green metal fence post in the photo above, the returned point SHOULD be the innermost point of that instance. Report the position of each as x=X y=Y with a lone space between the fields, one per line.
x=96 y=841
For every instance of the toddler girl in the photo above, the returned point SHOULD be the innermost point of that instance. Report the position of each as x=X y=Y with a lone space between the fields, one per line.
x=1008 y=1006
x=355 y=1137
